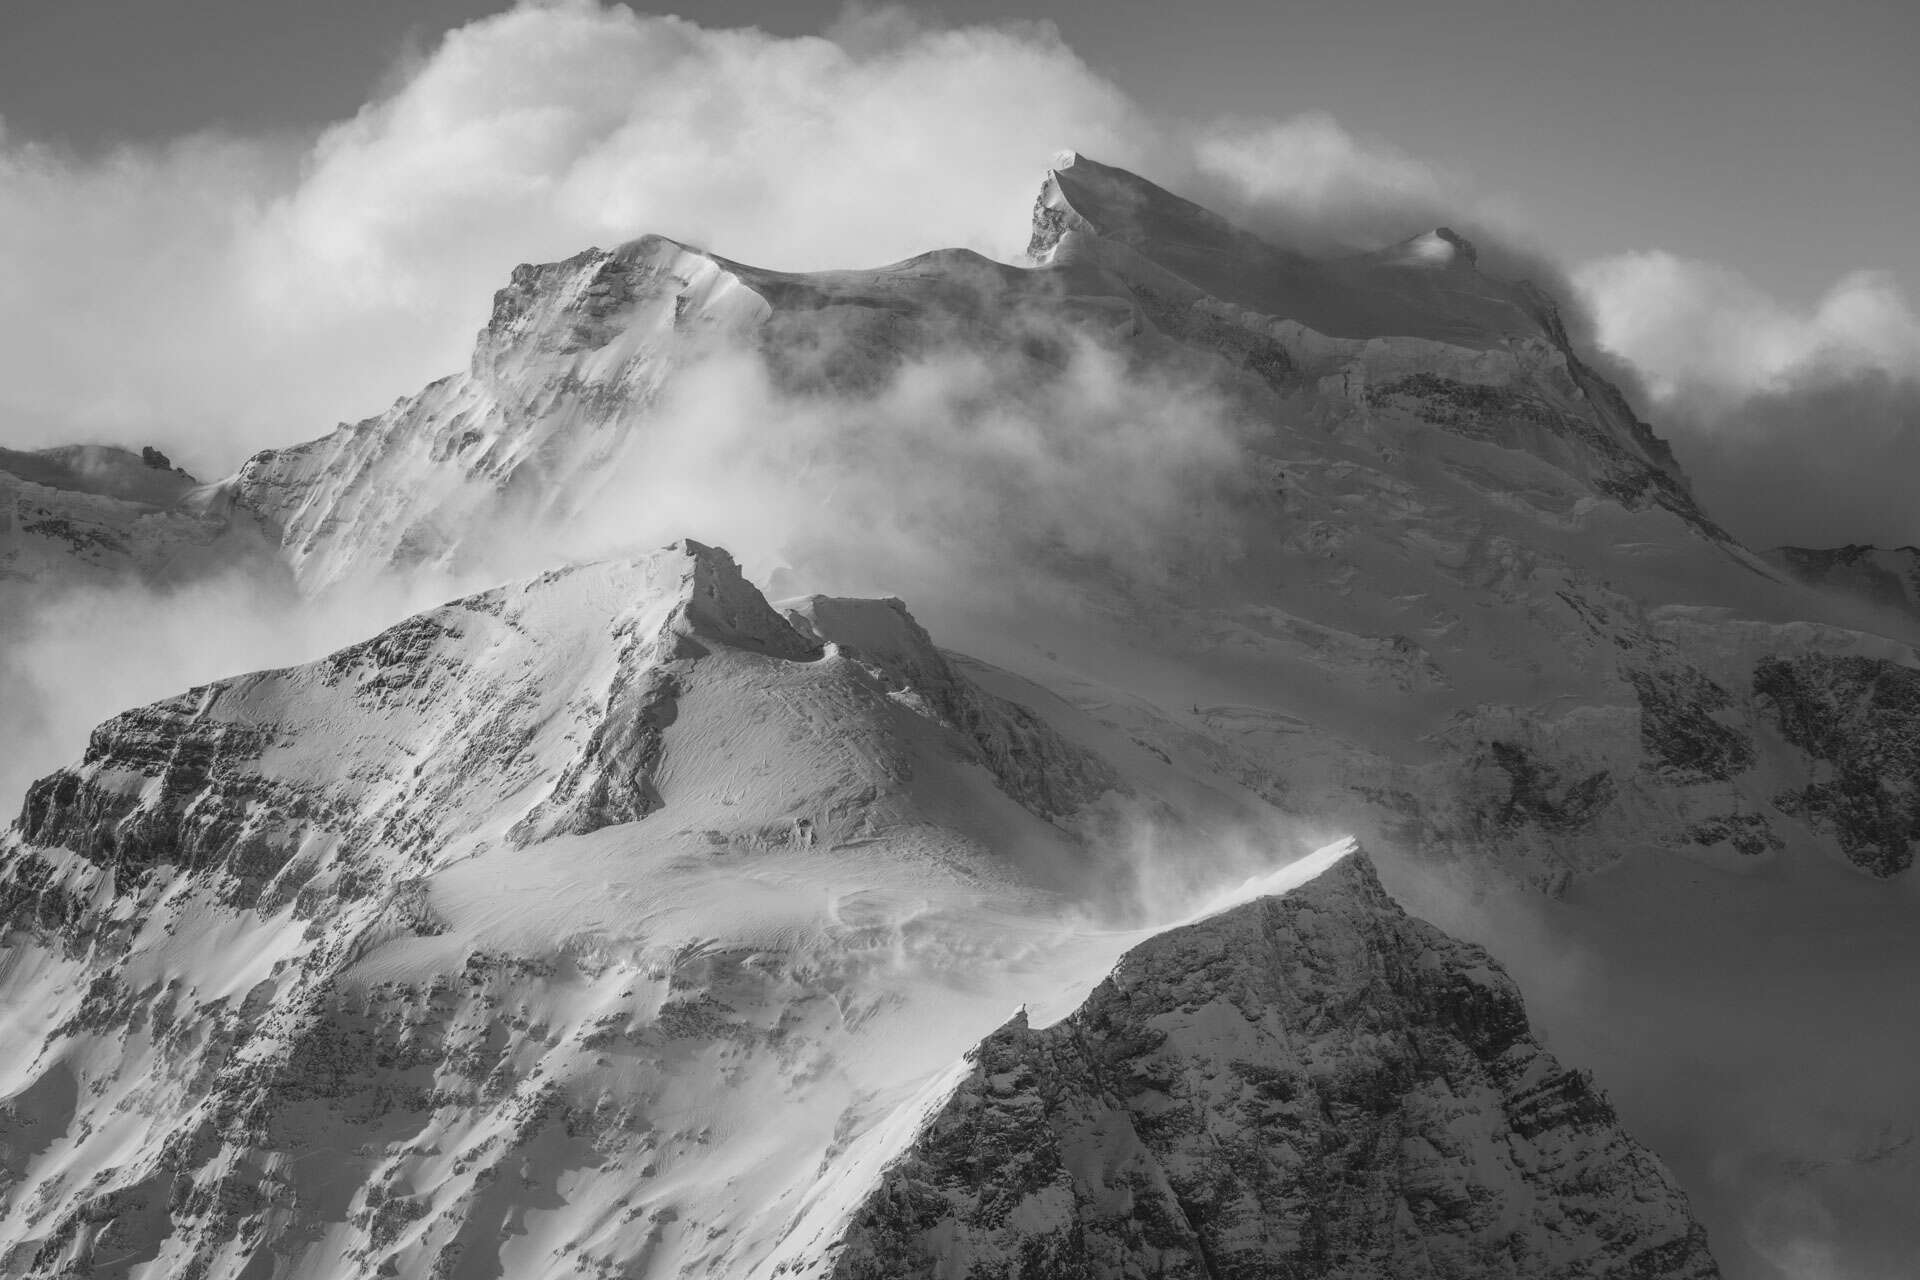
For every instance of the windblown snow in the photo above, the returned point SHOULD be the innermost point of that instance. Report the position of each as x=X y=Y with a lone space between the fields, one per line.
x=622 y=921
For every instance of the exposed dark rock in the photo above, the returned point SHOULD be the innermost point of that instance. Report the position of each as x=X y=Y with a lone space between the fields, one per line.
x=1313 y=1085
x=1539 y=796
x=1677 y=728
x=1748 y=833
x=1862 y=716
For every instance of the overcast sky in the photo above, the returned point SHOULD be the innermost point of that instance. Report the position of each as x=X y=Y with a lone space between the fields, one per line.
x=235 y=202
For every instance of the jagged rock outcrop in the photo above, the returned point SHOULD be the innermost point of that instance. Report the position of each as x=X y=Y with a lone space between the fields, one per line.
x=1424 y=575
x=1861 y=716
x=362 y=961
x=1032 y=761
x=1310 y=1085
x=93 y=514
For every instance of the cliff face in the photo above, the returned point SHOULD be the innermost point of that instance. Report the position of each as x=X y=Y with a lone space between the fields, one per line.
x=1309 y=1085
x=1429 y=522
x=553 y=903
x=500 y=942
x=1415 y=328
x=96 y=515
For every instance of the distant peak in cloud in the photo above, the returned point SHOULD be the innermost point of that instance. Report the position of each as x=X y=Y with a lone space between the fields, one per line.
x=217 y=294
x=1800 y=424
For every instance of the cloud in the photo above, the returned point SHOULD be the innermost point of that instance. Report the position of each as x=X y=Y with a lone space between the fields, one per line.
x=977 y=477
x=1309 y=182
x=73 y=656
x=222 y=294
x=1701 y=331
x=1799 y=425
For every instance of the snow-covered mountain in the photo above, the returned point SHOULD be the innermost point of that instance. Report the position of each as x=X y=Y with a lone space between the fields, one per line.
x=1249 y=550
x=1428 y=492
x=619 y=923
x=1308 y=1084
x=97 y=513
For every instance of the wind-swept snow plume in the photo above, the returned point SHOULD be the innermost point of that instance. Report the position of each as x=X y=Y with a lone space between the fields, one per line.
x=593 y=922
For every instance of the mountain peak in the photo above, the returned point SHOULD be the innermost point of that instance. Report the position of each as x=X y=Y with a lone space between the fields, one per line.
x=1207 y=1088
x=720 y=603
x=1440 y=248
x=1137 y=230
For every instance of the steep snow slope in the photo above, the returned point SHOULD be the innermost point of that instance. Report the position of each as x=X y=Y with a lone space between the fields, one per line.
x=1424 y=288
x=1308 y=1085
x=1426 y=577
x=567 y=929
x=1431 y=498
x=609 y=924
x=91 y=513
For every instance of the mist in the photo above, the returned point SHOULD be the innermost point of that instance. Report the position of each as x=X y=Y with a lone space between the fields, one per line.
x=225 y=293
x=75 y=656
x=1800 y=425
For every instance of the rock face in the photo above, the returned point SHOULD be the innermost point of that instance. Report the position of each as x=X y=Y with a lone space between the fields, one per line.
x=1429 y=498
x=1310 y=1085
x=93 y=514
x=614 y=922
x=352 y=965
x=1861 y=716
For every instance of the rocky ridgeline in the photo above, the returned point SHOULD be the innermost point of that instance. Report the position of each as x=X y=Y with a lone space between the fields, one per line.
x=1415 y=325
x=1311 y=1085
x=1434 y=501
x=96 y=515
x=247 y=1023
x=444 y=734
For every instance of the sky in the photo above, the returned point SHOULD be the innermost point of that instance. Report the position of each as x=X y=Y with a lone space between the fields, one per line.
x=228 y=224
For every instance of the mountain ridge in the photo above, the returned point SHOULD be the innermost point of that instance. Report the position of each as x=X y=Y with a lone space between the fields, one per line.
x=1200 y=1115
x=605 y=910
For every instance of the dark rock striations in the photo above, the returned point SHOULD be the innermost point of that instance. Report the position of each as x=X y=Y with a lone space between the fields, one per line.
x=1309 y=1085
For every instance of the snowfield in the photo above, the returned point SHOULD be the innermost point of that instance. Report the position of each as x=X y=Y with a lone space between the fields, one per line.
x=628 y=920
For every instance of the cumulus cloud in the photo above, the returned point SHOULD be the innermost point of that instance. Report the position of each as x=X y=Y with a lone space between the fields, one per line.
x=1312 y=183
x=1799 y=425
x=222 y=294
x=1700 y=330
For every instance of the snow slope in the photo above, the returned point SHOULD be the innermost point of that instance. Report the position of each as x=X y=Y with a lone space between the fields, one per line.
x=1306 y=1084
x=566 y=929
x=92 y=513
x=1424 y=577
x=613 y=923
